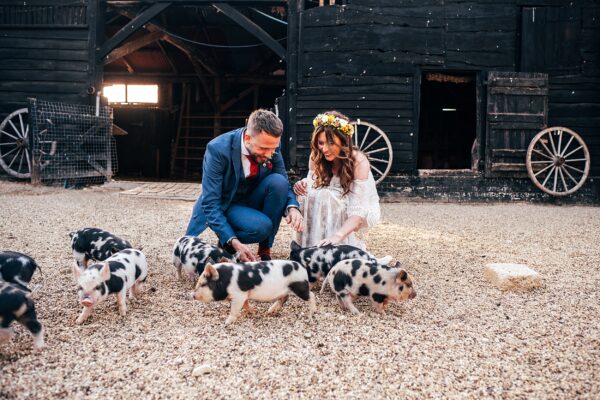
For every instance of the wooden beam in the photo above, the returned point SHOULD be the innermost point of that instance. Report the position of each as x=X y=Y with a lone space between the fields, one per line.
x=130 y=28
x=245 y=3
x=226 y=106
x=251 y=27
x=132 y=46
x=163 y=50
x=129 y=66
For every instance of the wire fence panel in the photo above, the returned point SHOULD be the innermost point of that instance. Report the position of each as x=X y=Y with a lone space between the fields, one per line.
x=70 y=142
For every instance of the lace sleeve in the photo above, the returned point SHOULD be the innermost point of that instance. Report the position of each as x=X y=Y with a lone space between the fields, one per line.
x=363 y=201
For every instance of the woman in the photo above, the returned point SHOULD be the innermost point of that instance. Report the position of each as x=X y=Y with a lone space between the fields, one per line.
x=338 y=197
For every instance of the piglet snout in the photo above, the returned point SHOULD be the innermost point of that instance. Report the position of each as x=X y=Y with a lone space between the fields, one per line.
x=413 y=294
x=87 y=302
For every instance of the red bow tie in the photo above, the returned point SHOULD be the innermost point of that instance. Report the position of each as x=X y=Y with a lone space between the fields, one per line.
x=253 y=166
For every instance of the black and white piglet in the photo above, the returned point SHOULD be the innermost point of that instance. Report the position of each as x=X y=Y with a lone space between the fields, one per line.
x=17 y=268
x=319 y=260
x=191 y=254
x=350 y=279
x=95 y=244
x=263 y=281
x=15 y=305
x=123 y=271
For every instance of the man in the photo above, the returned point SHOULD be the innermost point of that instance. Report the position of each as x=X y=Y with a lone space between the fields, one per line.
x=245 y=188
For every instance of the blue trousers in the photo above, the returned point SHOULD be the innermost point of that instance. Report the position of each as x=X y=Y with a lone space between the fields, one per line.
x=256 y=218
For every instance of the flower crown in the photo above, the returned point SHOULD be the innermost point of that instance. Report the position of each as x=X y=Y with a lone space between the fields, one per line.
x=341 y=124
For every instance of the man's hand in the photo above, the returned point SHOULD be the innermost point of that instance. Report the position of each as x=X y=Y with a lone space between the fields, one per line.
x=245 y=254
x=295 y=219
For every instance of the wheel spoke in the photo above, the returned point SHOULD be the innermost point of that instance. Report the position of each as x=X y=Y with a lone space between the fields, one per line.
x=567 y=146
x=548 y=176
x=543 y=169
x=542 y=162
x=376 y=151
x=546 y=147
x=576 y=159
x=562 y=177
x=378 y=160
x=576 y=169
x=22 y=128
x=559 y=140
x=14 y=128
x=543 y=154
x=579 y=148
x=14 y=158
x=364 y=138
x=28 y=160
x=355 y=134
x=21 y=160
x=7 y=153
x=375 y=168
x=569 y=175
x=552 y=143
x=8 y=144
x=372 y=143
x=8 y=134
x=555 y=180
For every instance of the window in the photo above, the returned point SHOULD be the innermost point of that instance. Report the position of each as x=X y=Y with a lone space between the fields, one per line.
x=131 y=94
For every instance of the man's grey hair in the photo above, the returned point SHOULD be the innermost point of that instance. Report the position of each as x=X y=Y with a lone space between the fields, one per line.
x=264 y=120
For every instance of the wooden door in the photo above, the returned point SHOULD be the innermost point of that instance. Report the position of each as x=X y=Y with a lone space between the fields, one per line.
x=517 y=109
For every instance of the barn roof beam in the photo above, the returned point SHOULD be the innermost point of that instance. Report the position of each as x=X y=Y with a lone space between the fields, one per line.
x=126 y=31
x=251 y=27
x=132 y=46
x=245 y=3
x=195 y=57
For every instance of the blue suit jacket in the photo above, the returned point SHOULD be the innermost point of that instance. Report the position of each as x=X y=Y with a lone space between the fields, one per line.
x=222 y=168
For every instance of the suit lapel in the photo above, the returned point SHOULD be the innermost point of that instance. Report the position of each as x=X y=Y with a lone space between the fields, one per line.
x=236 y=154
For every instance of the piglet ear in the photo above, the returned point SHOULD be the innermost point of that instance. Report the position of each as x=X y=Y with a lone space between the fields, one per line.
x=71 y=234
x=211 y=272
x=398 y=265
x=401 y=276
x=105 y=272
x=294 y=246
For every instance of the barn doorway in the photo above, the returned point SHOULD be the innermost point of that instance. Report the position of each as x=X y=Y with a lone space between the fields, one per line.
x=448 y=121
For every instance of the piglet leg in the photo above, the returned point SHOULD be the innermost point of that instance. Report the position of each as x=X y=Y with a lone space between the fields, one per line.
x=277 y=305
x=122 y=302
x=347 y=300
x=378 y=307
x=85 y=313
x=236 y=309
x=249 y=308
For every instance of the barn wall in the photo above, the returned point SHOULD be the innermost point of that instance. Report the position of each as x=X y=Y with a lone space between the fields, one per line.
x=45 y=52
x=363 y=58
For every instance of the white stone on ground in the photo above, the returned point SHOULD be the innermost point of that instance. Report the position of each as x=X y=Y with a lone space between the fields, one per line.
x=517 y=277
x=202 y=370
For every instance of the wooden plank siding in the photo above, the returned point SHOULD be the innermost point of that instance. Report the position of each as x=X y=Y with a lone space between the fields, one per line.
x=45 y=53
x=363 y=59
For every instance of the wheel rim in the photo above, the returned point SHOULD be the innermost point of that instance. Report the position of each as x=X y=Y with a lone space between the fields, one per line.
x=15 y=157
x=558 y=161
x=377 y=147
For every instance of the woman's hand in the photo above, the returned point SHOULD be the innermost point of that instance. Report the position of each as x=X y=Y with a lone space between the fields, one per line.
x=332 y=240
x=300 y=187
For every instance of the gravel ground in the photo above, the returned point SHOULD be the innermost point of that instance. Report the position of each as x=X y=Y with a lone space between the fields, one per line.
x=460 y=338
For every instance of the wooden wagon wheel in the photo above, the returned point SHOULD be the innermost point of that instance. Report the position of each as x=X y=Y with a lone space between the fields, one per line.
x=375 y=144
x=15 y=156
x=558 y=161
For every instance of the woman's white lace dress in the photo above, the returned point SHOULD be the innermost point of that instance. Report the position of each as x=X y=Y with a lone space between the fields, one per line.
x=325 y=210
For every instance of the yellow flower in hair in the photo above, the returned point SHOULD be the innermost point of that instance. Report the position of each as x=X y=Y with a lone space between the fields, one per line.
x=342 y=125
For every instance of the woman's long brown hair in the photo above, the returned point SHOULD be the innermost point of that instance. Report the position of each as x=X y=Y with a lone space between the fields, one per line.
x=323 y=169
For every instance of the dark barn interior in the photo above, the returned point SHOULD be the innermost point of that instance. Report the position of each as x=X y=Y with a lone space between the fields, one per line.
x=211 y=73
x=448 y=123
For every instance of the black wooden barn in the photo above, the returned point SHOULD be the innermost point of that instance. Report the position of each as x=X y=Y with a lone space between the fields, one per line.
x=459 y=87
